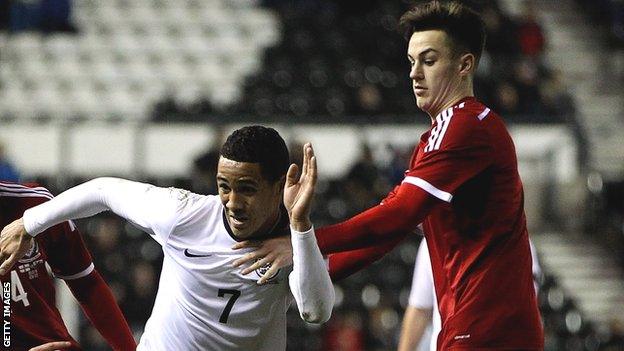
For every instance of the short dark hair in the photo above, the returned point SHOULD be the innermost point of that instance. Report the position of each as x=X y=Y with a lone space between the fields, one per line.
x=258 y=144
x=464 y=26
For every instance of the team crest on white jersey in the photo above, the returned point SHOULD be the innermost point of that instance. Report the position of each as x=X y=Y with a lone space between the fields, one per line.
x=262 y=271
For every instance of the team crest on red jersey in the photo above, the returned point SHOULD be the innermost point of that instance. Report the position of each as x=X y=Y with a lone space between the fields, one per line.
x=28 y=264
x=32 y=254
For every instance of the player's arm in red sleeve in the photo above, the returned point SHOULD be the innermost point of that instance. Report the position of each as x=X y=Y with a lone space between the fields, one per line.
x=391 y=220
x=68 y=257
x=344 y=264
x=462 y=150
x=98 y=303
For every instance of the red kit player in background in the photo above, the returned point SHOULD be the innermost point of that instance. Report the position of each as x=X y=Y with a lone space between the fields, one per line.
x=34 y=318
x=463 y=186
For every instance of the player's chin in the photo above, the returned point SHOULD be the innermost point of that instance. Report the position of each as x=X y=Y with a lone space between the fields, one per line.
x=241 y=232
x=422 y=104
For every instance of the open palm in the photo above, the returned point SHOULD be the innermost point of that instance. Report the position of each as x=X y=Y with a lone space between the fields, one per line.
x=298 y=193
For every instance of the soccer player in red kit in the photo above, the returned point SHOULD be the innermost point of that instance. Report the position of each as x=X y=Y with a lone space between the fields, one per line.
x=34 y=318
x=463 y=186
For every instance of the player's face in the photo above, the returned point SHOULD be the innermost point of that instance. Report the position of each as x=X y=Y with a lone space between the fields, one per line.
x=251 y=202
x=434 y=70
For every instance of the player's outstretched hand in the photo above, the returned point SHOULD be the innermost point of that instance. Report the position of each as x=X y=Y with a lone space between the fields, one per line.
x=298 y=193
x=14 y=243
x=52 y=346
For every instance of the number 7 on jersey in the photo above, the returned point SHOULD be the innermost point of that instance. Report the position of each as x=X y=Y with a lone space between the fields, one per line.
x=228 y=307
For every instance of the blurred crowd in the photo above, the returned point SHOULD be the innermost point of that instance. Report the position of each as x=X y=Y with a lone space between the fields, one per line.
x=345 y=61
x=610 y=15
x=45 y=16
x=607 y=213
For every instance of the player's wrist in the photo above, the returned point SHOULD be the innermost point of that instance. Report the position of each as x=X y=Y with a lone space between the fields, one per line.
x=23 y=233
x=301 y=226
x=24 y=238
x=28 y=223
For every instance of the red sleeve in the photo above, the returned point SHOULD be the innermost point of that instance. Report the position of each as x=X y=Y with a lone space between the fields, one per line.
x=99 y=305
x=67 y=254
x=396 y=216
x=343 y=264
x=456 y=153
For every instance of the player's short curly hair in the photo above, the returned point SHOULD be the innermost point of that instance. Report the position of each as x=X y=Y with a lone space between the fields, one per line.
x=462 y=24
x=258 y=144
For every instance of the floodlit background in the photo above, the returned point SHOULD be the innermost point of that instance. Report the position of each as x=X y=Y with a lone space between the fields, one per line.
x=147 y=90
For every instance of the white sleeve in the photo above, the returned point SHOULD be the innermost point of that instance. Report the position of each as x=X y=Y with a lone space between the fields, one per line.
x=536 y=269
x=421 y=295
x=309 y=280
x=153 y=209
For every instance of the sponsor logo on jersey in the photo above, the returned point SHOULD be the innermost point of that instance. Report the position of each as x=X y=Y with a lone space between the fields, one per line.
x=188 y=253
x=262 y=271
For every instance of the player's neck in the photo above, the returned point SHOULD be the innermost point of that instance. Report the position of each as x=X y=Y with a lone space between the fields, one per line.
x=275 y=222
x=451 y=101
x=269 y=226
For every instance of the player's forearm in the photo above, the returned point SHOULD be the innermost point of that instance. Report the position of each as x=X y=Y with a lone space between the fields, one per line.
x=98 y=303
x=343 y=264
x=309 y=281
x=84 y=200
x=400 y=214
x=81 y=201
x=415 y=321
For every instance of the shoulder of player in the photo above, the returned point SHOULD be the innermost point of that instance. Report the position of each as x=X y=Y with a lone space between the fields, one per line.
x=473 y=112
x=30 y=193
x=186 y=195
x=467 y=123
x=471 y=119
x=193 y=202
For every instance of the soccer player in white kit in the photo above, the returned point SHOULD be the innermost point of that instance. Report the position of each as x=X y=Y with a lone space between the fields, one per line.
x=203 y=303
x=421 y=322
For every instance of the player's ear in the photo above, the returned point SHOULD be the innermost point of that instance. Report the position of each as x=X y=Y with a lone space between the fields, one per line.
x=466 y=63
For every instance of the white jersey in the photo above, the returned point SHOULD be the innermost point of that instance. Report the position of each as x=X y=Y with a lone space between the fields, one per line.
x=203 y=303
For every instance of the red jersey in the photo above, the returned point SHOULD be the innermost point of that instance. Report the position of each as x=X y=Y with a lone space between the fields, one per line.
x=34 y=318
x=478 y=240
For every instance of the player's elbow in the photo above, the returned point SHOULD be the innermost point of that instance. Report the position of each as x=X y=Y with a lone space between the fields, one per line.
x=316 y=317
x=320 y=311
